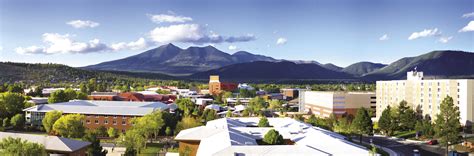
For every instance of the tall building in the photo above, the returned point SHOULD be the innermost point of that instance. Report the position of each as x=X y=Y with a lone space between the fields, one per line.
x=427 y=94
x=216 y=86
x=325 y=103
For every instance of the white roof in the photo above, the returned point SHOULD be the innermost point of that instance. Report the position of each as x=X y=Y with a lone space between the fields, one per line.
x=213 y=106
x=51 y=143
x=229 y=136
x=101 y=107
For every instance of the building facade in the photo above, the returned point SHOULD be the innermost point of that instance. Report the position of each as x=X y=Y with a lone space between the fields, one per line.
x=427 y=95
x=115 y=114
x=216 y=86
x=325 y=103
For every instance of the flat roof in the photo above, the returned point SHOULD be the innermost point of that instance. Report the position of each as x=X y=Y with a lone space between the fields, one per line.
x=51 y=143
x=128 y=108
x=229 y=136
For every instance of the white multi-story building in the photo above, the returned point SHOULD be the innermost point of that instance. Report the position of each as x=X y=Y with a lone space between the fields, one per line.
x=325 y=103
x=427 y=95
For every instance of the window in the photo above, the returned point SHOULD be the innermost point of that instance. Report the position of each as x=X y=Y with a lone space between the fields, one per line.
x=115 y=116
x=88 y=121
x=114 y=122
x=106 y=116
x=106 y=122
x=123 y=130
x=124 y=117
x=124 y=122
x=96 y=121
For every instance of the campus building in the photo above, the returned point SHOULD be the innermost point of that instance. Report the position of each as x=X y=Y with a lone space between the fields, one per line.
x=116 y=114
x=325 y=103
x=241 y=136
x=53 y=145
x=427 y=94
x=216 y=86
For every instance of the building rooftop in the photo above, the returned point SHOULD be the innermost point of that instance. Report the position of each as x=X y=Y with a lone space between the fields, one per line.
x=238 y=136
x=51 y=143
x=101 y=107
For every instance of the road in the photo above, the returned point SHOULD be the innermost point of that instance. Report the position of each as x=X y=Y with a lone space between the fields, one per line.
x=405 y=148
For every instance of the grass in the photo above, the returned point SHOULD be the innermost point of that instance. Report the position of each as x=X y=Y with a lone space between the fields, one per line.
x=151 y=149
x=405 y=134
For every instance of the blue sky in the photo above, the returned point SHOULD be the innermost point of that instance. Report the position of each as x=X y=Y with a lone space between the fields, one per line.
x=79 y=33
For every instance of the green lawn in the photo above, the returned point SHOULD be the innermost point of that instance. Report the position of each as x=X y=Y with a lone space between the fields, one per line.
x=151 y=149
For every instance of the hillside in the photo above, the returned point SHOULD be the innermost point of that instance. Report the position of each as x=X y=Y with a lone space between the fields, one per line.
x=55 y=73
x=440 y=64
x=362 y=68
x=261 y=70
x=173 y=60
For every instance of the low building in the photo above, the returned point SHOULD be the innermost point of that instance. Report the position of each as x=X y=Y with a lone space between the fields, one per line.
x=132 y=96
x=273 y=96
x=114 y=114
x=241 y=136
x=245 y=86
x=233 y=101
x=38 y=100
x=290 y=93
x=324 y=103
x=54 y=145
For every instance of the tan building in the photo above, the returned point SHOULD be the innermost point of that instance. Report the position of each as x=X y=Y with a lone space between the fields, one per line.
x=427 y=94
x=216 y=86
x=324 y=103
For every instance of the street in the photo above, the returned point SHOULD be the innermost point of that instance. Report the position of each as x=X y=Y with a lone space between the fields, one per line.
x=405 y=149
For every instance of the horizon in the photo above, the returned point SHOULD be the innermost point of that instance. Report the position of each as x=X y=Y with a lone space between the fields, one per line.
x=78 y=34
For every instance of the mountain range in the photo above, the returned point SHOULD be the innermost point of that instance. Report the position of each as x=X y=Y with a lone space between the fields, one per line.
x=172 y=60
x=200 y=62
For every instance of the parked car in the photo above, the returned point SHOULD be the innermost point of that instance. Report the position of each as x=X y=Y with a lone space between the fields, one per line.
x=432 y=142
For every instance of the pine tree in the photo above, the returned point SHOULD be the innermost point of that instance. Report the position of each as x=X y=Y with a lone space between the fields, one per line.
x=447 y=123
x=362 y=123
x=386 y=121
x=407 y=117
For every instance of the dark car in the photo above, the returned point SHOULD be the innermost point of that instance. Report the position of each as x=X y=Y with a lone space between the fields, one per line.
x=432 y=142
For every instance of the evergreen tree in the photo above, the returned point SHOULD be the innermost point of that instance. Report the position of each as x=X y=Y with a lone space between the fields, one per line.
x=385 y=122
x=362 y=123
x=407 y=116
x=95 y=148
x=447 y=123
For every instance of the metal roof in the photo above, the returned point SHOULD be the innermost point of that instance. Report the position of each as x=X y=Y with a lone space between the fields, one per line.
x=51 y=143
x=101 y=107
x=229 y=136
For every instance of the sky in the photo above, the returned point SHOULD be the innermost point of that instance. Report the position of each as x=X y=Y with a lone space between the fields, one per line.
x=84 y=32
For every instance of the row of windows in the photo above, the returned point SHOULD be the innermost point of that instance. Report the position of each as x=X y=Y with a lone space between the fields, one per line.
x=105 y=116
x=114 y=122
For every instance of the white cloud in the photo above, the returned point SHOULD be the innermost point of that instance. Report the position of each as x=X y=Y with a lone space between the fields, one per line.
x=57 y=43
x=467 y=15
x=232 y=47
x=468 y=27
x=384 y=37
x=445 y=39
x=281 y=41
x=134 y=45
x=164 y=18
x=192 y=33
x=424 y=33
x=83 y=24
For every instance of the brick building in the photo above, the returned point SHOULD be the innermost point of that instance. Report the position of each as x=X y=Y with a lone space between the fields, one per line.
x=216 y=87
x=114 y=114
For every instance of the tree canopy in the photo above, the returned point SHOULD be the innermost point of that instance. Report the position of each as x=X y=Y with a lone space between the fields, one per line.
x=70 y=126
x=17 y=146
x=362 y=123
x=447 y=122
x=49 y=119
x=273 y=137
x=263 y=122
x=11 y=104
